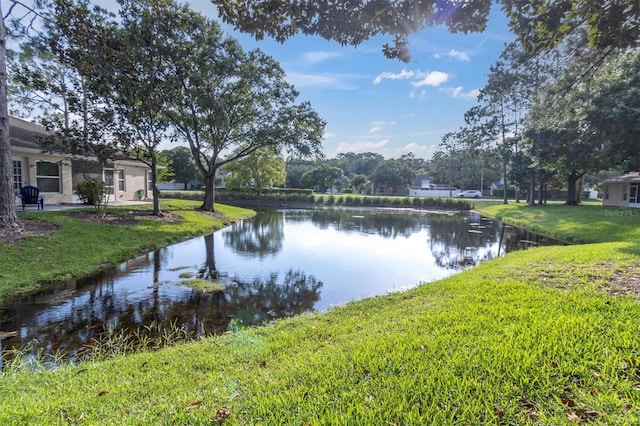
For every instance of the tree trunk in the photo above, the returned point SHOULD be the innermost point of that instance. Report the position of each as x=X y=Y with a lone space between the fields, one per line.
x=8 y=217
x=531 y=199
x=541 y=191
x=154 y=185
x=579 y=187
x=504 y=181
x=209 y=192
x=572 y=179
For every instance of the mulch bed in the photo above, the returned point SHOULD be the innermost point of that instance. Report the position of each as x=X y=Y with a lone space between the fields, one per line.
x=38 y=227
x=30 y=227
x=130 y=219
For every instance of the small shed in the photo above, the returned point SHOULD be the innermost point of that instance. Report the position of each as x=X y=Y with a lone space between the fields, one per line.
x=622 y=191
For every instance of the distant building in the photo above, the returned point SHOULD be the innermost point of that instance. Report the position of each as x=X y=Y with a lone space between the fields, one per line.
x=422 y=187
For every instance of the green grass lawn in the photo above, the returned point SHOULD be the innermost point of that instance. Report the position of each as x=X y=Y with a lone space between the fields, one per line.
x=535 y=337
x=79 y=247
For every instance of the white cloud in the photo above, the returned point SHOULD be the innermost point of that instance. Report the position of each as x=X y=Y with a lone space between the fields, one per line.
x=334 y=81
x=457 y=93
x=315 y=57
x=329 y=135
x=379 y=125
x=404 y=74
x=421 y=95
x=362 y=146
x=455 y=54
x=420 y=151
x=385 y=148
x=434 y=78
x=462 y=56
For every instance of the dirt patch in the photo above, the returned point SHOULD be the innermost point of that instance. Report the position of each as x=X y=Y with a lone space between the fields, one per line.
x=38 y=227
x=30 y=227
x=625 y=282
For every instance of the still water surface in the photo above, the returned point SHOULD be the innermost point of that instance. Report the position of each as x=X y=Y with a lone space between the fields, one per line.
x=277 y=264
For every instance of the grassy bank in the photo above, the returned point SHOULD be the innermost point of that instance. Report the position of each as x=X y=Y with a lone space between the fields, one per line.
x=576 y=224
x=531 y=338
x=76 y=246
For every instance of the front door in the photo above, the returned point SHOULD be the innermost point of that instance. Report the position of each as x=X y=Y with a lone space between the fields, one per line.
x=634 y=195
x=107 y=178
x=19 y=173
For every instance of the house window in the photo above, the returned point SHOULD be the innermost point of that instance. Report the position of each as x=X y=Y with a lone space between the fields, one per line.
x=48 y=176
x=624 y=193
x=17 y=175
x=606 y=192
x=121 y=180
x=149 y=182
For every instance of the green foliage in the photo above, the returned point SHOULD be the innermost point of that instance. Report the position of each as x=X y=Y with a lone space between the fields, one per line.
x=323 y=177
x=539 y=26
x=259 y=170
x=183 y=168
x=90 y=191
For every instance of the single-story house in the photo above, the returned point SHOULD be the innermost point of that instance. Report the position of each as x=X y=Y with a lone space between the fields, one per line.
x=57 y=174
x=622 y=191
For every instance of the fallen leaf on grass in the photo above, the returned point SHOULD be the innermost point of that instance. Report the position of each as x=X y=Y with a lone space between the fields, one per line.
x=103 y=393
x=222 y=414
x=568 y=402
x=194 y=404
x=526 y=403
x=499 y=414
x=584 y=414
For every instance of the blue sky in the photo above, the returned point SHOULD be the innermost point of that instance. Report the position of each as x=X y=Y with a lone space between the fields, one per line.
x=372 y=103
x=375 y=104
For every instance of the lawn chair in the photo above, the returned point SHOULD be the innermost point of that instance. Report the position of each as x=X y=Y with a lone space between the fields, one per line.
x=31 y=195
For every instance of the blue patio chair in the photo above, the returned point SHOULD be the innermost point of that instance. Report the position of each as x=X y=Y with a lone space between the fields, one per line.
x=31 y=195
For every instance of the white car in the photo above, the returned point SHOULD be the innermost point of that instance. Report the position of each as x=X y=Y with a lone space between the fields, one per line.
x=470 y=194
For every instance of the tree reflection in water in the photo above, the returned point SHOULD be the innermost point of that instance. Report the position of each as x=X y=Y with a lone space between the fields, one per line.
x=278 y=264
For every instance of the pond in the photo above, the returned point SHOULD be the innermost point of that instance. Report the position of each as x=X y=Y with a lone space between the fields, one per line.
x=277 y=264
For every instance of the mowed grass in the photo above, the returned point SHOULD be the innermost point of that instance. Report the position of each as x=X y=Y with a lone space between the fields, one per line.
x=577 y=224
x=530 y=338
x=78 y=247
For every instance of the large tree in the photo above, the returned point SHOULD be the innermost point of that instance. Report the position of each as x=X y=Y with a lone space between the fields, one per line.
x=566 y=119
x=394 y=174
x=259 y=170
x=322 y=178
x=226 y=103
x=182 y=167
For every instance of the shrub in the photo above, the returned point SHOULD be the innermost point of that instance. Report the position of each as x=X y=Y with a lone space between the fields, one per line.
x=90 y=191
